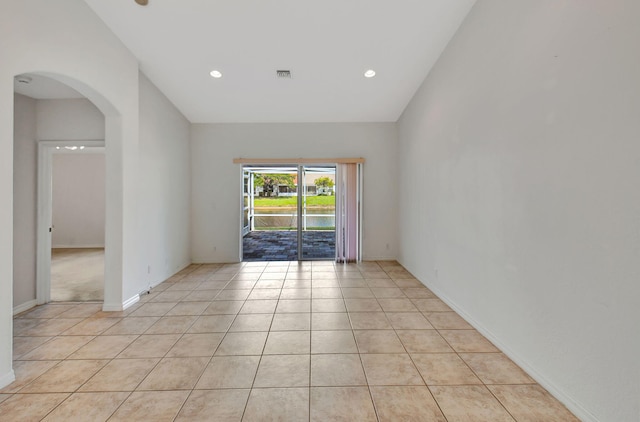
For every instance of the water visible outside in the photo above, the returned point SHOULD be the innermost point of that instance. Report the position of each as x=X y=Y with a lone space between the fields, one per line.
x=284 y=218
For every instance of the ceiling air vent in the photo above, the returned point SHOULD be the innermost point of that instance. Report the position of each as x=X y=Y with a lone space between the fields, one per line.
x=283 y=74
x=23 y=79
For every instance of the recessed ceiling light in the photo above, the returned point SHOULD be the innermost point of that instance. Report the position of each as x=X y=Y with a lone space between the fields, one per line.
x=216 y=74
x=370 y=73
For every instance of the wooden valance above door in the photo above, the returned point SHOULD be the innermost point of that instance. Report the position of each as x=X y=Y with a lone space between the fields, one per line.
x=272 y=161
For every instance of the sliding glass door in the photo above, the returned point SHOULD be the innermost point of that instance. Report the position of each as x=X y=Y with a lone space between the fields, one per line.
x=288 y=213
x=317 y=227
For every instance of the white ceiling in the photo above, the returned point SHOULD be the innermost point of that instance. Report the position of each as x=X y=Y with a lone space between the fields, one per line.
x=327 y=45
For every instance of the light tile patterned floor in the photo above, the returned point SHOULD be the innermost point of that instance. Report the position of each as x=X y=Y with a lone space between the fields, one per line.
x=311 y=341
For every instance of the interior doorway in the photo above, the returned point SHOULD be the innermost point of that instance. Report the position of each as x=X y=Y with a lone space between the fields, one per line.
x=288 y=212
x=78 y=223
x=67 y=269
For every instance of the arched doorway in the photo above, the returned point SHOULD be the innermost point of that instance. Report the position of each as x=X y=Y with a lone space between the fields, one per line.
x=54 y=86
x=67 y=210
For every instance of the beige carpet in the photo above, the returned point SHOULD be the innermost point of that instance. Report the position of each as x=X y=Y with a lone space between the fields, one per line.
x=77 y=275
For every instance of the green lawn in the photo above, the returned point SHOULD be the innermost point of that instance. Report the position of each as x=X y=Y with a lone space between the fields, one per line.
x=291 y=201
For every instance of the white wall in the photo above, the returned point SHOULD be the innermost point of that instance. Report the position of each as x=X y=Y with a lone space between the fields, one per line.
x=164 y=186
x=215 y=180
x=69 y=119
x=88 y=57
x=78 y=199
x=25 y=155
x=524 y=142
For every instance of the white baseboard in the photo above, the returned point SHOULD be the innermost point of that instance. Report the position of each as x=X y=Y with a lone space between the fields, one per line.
x=180 y=268
x=379 y=258
x=575 y=407
x=130 y=301
x=176 y=271
x=24 y=307
x=78 y=246
x=7 y=378
x=231 y=259
x=117 y=307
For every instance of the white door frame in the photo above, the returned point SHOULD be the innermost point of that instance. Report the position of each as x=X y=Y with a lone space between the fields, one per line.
x=45 y=212
x=247 y=192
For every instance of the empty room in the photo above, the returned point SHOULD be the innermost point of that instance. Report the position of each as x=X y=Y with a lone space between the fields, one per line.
x=450 y=188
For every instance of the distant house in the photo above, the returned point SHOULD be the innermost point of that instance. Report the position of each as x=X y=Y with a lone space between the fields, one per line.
x=286 y=190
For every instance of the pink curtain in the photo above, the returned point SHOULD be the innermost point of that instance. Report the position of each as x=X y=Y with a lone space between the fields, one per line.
x=347 y=214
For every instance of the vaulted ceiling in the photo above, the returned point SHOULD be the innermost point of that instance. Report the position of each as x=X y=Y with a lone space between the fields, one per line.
x=327 y=45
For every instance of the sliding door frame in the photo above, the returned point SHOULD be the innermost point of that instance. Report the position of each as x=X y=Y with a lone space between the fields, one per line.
x=300 y=195
x=300 y=163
